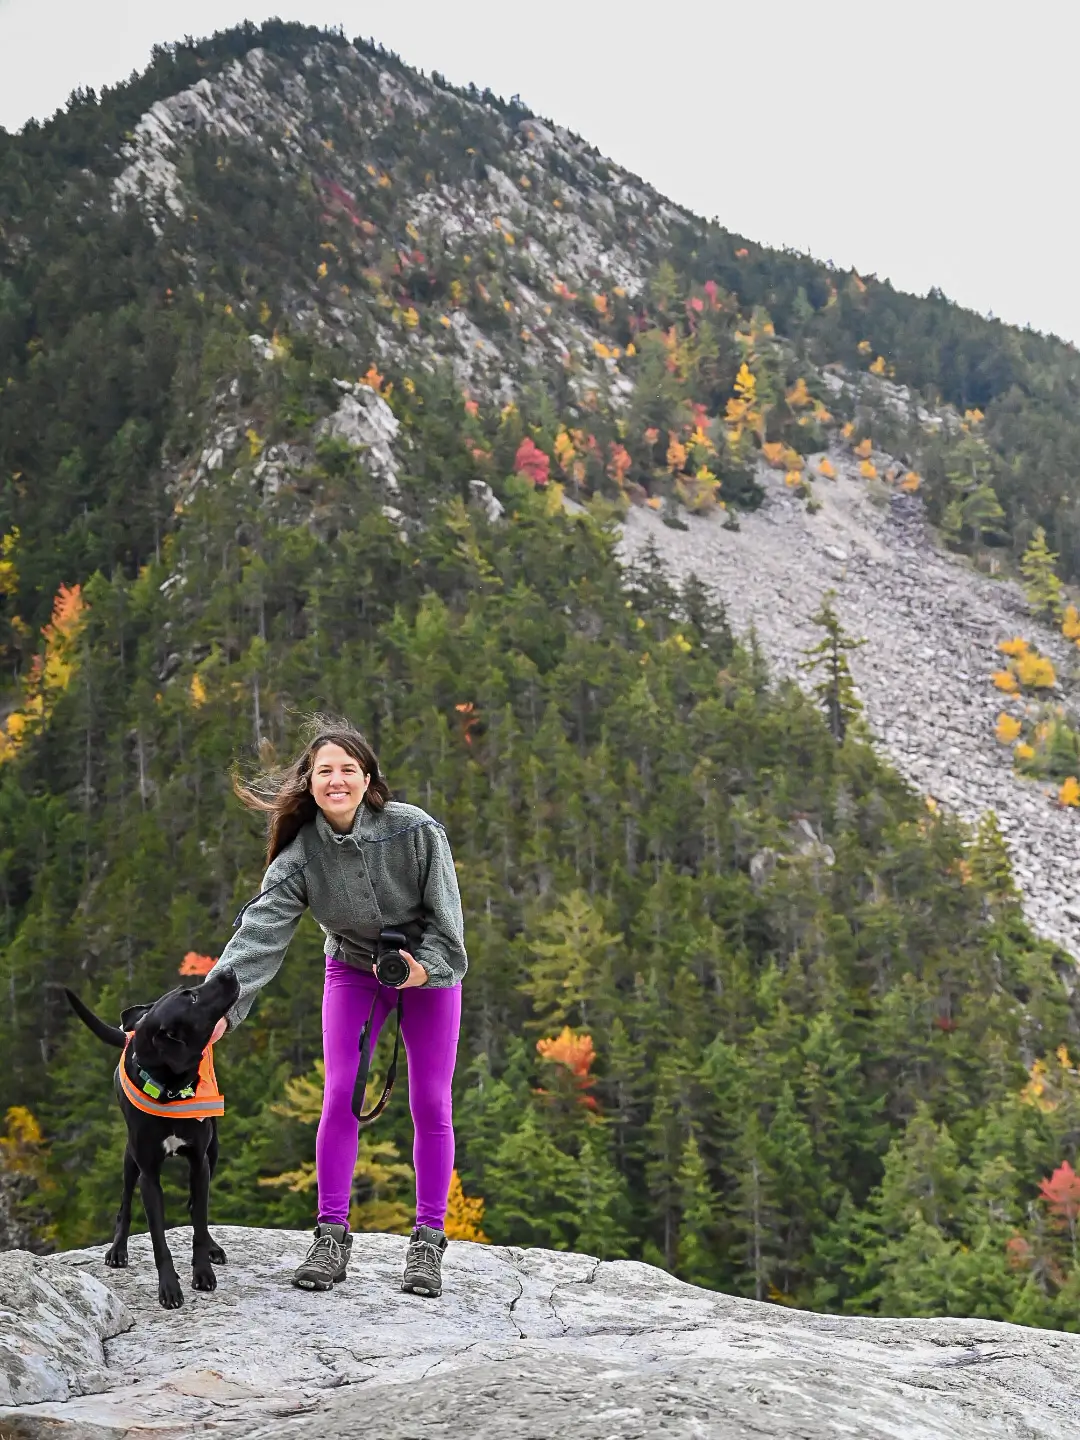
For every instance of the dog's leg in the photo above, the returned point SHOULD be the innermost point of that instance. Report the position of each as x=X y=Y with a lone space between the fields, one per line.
x=202 y=1271
x=116 y=1257
x=217 y=1254
x=169 y=1291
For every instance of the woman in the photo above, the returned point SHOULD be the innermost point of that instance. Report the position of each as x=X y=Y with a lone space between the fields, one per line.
x=361 y=862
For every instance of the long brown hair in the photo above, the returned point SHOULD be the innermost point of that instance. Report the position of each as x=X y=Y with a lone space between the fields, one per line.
x=284 y=795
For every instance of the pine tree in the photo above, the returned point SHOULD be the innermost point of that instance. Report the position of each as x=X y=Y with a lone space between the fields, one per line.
x=973 y=513
x=991 y=867
x=836 y=691
x=695 y=1258
x=535 y=1189
x=1041 y=583
x=602 y=1202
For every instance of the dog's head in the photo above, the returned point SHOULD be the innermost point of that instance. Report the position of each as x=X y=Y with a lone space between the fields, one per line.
x=177 y=1028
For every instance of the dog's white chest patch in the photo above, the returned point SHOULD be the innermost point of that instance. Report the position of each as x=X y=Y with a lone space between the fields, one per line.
x=171 y=1144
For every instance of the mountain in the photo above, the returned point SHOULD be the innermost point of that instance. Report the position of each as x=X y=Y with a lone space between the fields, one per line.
x=326 y=384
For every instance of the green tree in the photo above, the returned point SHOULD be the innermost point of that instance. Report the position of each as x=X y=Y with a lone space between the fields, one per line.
x=695 y=1258
x=1041 y=583
x=836 y=689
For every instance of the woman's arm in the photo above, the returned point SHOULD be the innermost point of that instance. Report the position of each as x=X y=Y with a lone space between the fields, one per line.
x=256 y=951
x=442 y=950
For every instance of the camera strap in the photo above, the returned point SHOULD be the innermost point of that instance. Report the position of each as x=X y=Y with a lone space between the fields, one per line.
x=360 y=1088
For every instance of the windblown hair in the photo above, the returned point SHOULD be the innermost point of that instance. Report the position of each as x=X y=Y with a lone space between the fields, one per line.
x=284 y=795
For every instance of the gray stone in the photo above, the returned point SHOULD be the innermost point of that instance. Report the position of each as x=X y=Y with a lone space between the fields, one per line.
x=364 y=421
x=485 y=497
x=525 y=1344
x=932 y=624
x=53 y=1322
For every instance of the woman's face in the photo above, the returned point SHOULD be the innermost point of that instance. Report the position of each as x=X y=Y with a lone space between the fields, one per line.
x=338 y=785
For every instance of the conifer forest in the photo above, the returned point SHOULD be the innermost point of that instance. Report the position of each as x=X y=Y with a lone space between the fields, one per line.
x=325 y=386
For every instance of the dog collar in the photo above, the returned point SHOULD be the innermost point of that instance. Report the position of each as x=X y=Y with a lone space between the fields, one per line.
x=155 y=1089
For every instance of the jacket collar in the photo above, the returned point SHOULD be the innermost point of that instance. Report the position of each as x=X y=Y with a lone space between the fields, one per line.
x=363 y=825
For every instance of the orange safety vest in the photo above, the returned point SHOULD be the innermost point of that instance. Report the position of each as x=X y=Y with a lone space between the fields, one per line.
x=206 y=1102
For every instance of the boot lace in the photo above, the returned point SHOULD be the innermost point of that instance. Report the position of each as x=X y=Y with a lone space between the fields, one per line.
x=325 y=1253
x=424 y=1261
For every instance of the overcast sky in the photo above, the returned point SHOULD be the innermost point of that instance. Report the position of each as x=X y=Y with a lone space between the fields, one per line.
x=933 y=143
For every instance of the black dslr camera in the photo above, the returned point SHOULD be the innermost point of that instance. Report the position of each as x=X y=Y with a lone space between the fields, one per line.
x=391 y=967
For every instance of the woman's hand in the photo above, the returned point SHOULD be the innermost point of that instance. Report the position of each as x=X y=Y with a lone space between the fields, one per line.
x=417 y=974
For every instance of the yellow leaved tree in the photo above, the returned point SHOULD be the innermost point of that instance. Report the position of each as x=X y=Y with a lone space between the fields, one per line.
x=742 y=412
x=464 y=1214
x=25 y=1185
x=1007 y=729
x=50 y=673
x=1027 y=669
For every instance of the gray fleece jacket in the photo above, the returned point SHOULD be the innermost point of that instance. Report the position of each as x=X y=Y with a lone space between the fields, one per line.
x=393 y=867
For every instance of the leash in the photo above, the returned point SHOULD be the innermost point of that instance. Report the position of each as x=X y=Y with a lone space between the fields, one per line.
x=360 y=1088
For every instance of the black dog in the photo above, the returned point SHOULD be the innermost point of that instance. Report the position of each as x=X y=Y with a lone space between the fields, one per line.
x=161 y=1070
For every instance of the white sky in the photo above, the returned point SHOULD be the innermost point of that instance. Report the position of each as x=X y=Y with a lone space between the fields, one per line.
x=933 y=143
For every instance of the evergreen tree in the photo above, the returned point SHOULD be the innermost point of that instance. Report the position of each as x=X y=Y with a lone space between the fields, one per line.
x=698 y=1214
x=836 y=690
x=1041 y=583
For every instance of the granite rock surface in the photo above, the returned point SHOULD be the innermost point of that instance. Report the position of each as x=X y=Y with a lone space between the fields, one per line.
x=522 y=1344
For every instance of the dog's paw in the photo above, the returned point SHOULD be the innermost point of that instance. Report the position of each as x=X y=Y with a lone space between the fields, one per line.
x=216 y=1255
x=203 y=1277
x=116 y=1257
x=169 y=1292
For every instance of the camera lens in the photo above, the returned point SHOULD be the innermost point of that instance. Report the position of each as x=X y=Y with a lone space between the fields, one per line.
x=392 y=968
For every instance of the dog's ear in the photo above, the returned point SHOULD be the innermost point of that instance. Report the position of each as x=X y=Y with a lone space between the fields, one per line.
x=132 y=1015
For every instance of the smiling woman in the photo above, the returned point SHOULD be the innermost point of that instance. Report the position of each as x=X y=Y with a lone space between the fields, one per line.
x=337 y=844
x=338 y=785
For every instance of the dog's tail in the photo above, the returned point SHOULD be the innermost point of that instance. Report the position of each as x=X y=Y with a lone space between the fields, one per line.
x=109 y=1033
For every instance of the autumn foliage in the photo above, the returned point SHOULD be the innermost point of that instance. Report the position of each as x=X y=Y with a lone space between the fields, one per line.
x=532 y=462
x=50 y=672
x=575 y=1055
x=194 y=964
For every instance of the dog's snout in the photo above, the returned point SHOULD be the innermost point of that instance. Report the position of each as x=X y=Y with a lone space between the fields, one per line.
x=228 y=980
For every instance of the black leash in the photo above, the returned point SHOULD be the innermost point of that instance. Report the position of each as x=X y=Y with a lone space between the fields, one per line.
x=360 y=1088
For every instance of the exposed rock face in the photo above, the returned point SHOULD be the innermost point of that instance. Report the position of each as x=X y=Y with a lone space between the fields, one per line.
x=522 y=1344
x=365 y=422
x=53 y=1322
x=282 y=110
x=932 y=624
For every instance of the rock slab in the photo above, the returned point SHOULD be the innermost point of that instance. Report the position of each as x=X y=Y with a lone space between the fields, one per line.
x=523 y=1343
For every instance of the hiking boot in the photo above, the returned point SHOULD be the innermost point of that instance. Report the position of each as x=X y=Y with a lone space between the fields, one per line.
x=327 y=1260
x=423 y=1264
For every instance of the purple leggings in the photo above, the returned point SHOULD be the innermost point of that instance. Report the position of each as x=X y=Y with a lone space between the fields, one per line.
x=430 y=1017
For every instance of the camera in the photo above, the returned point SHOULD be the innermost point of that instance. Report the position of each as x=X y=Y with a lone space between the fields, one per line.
x=391 y=967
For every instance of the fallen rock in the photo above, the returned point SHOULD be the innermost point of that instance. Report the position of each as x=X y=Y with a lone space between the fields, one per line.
x=932 y=624
x=523 y=1344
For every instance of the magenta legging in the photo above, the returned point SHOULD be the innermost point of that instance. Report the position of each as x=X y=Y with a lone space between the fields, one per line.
x=430 y=1018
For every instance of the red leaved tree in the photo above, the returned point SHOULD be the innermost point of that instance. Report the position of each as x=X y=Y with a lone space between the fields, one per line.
x=193 y=964
x=1062 y=1195
x=531 y=462
x=574 y=1054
